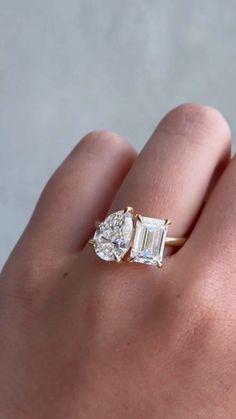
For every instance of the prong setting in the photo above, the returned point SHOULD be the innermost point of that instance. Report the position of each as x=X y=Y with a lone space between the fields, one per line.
x=118 y=258
x=112 y=238
x=149 y=240
x=139 y=239
x=129 y=209
x=138 y=217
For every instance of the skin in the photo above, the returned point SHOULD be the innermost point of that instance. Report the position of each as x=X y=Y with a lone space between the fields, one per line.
x=84 y=339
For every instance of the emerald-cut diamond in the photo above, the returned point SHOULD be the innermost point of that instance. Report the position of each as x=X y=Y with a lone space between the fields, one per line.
x=149 y=241
x=112 y=238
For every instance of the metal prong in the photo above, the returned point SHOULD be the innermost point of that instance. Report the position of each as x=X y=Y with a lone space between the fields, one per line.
x=118 y=259
x=159 y=264
x=97 y=223
x=138 y=217
x=92 y=241
x=167 y=222
x=129 y=209
x=130 y=259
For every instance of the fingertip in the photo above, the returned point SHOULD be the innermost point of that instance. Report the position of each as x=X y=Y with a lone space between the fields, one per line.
x=107 y=142
x=185 y=119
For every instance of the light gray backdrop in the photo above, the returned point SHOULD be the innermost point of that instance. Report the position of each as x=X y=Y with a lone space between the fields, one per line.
x=68 y=67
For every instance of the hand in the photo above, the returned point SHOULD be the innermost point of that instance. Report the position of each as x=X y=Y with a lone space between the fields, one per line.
x=84 y=338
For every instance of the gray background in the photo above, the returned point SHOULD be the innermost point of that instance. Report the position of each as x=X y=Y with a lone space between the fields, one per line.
x=68 y=67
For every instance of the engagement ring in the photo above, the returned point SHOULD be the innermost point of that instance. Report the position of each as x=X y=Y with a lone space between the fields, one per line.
x=143 y=239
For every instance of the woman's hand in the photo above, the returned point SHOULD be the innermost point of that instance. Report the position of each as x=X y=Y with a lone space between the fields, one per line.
x=87 y=339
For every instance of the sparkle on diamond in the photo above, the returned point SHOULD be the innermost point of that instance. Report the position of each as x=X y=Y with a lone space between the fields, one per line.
x=112 y=238
x=149 y=241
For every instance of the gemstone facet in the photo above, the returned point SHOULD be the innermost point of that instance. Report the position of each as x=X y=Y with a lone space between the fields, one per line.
x=149 y=241
x=113 y=236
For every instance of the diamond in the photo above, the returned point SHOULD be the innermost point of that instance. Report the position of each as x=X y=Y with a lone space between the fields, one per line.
x=112 y=238
x=149 y=241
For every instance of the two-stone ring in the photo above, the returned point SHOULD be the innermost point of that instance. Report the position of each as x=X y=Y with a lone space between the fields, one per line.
x=123 y=233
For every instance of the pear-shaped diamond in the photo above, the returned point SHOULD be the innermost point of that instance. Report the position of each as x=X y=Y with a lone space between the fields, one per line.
x=112 y=238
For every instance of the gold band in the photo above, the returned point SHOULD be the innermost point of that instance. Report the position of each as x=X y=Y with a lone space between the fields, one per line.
x=175 y=241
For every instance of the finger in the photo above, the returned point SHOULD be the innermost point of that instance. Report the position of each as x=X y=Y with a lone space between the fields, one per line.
x=189 y=149
x=79 y=192
x=214 y=239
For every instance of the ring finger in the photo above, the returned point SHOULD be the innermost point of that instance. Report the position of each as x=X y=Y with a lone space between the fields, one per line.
x=184 y=157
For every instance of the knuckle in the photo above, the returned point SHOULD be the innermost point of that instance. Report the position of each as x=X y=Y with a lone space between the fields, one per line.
x=22 y=300
x=200 y=329
x=23 y=285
